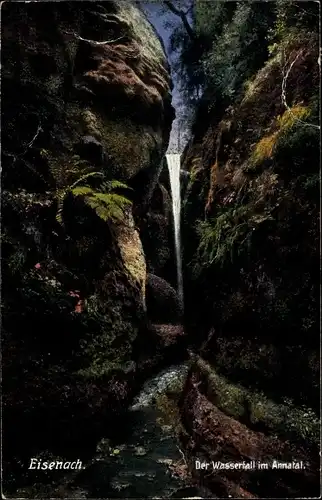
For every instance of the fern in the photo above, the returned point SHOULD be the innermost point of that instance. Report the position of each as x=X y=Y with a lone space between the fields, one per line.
x=224 y=237
x=85 y=177
x=82 y=191
x=107 y=205
x=114 y=184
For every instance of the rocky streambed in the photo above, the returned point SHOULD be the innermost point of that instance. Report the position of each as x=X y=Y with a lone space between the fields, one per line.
x=144 y=459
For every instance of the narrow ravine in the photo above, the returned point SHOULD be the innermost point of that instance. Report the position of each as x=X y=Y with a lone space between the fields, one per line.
x=148 y=461
x=159 y=243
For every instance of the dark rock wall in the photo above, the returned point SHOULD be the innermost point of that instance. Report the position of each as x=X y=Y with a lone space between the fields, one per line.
x=251 y=253
x=73 y=294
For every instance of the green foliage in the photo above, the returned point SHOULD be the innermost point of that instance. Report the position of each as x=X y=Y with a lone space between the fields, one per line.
x=232 y=41
x=228 y=235
x=229 y=45
x=220 y=13
x=210 y=20
x=297 y=150
x=267 y=145
x=292 y=17
x=66 y=170
x=107 y=205
x=241 y=48
x=187 y=66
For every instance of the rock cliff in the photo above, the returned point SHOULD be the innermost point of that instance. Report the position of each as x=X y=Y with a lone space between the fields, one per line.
x=86 y=115
x=250 y=249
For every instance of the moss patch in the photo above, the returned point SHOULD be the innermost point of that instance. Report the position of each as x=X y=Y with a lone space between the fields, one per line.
x=285 y=420
x=265 y=148
x=132 y=254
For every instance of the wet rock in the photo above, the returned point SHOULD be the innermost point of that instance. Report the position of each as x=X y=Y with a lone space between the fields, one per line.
x=155 y=229
x=161 y=201
x=132 y=254
x=167 y=335
x=162 y=301
x=184 y=181
x=157 y=233
x=169 y=379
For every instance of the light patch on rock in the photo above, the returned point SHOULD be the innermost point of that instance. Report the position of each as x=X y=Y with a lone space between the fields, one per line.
x=171 y=378
x=140 y=451
x=132 y=253
x=92 y=124
x=166 y=461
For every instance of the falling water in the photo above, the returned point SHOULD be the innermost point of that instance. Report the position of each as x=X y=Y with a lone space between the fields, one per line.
x=173 y=161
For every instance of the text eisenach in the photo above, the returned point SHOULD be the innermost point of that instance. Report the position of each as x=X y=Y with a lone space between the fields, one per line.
x=39 y=464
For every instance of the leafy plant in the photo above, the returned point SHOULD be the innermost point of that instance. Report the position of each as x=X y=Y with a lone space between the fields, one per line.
x=227 y=235
x=293 y=16
x=266 y=147
x=108 y=205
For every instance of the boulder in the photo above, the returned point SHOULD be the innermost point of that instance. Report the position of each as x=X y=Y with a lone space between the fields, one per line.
x=162 y=301
x=158 y=345
x=156 y=240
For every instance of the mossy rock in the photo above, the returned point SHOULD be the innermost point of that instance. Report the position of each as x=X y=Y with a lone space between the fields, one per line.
x=258 y=411
x=163 y=304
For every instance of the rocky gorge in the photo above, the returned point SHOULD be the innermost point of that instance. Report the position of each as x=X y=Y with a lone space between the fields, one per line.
x=100 y=361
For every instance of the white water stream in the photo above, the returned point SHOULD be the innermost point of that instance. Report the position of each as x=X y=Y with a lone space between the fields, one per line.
x=173 y=161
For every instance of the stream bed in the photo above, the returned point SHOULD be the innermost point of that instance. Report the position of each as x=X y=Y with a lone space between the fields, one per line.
x=148 y=462
x=144 y=459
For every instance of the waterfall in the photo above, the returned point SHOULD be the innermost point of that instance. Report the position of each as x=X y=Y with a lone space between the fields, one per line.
x=173 y=161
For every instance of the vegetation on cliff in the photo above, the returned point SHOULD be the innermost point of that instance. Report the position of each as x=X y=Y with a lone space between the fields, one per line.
x=251 y=226
x=255 y=173
x=89 y=305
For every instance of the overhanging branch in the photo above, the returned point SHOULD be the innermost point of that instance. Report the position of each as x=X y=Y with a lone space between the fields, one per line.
x=183 y=17
x=99 y=43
